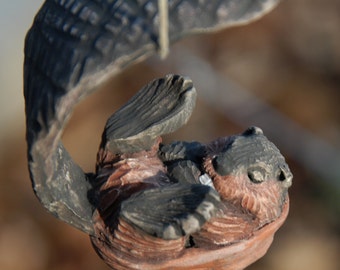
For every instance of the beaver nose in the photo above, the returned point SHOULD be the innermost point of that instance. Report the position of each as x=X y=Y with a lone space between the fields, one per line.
x=285 y=176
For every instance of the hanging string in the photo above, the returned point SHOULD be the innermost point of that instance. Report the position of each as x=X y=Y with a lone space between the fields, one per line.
x=163 y=35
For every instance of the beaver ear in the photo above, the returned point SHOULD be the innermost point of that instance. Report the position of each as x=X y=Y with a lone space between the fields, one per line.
x=171 y=212
x=160 y=107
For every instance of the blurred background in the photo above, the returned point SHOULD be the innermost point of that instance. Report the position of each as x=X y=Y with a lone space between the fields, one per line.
x=281 y=73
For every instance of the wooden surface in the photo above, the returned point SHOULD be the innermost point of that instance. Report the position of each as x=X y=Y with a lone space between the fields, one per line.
x=236 y=256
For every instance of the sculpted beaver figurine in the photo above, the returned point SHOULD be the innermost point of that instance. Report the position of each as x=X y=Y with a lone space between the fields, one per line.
x=184 y=205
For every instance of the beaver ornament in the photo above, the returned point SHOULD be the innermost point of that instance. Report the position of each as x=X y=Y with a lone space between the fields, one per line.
x=184 y=205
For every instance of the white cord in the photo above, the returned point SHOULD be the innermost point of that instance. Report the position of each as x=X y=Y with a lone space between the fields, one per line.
x=163 y=28
x=206 y=180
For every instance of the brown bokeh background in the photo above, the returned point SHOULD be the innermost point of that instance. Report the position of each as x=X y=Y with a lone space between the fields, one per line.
x=289 y=59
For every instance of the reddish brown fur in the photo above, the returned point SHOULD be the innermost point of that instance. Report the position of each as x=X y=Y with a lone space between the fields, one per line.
x=262 y=200
x=116 y=241
x=241 y=222
x=126 y=246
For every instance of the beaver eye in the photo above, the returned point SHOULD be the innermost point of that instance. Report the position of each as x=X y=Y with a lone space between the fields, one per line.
x=257 y=175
